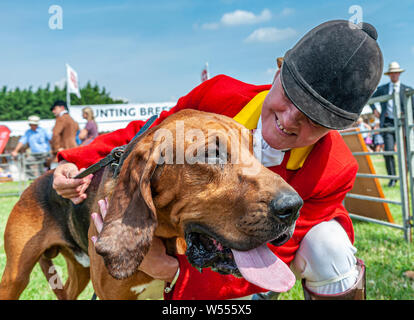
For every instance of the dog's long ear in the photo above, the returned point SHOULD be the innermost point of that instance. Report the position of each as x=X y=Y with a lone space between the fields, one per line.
x=131 y=218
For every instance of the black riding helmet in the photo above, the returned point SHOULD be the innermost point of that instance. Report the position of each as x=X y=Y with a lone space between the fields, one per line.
x=331 y=73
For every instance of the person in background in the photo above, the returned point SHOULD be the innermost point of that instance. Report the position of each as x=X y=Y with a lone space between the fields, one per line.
x=90 y=132
x=64 y=131
x=378 y=140
x=363 y=126
x=38 y=140
x=387 y=113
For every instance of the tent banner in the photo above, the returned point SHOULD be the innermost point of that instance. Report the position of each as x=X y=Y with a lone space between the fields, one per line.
x=121 y=112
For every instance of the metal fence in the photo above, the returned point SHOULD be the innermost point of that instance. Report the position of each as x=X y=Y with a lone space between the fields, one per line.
x=21 y=169
x=409 y=134
x=404 y=137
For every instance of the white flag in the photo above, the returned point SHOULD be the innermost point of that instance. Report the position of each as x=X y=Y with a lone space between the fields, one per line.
x=72 y=81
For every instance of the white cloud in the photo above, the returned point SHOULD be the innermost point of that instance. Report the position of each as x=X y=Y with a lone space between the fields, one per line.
x=412 y=49
x=210 y=26
x=287 y=11
x=239 y=17
x=270 y=35
x=60 y=83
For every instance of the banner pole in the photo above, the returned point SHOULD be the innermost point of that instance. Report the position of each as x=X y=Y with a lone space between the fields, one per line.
x=67 y=98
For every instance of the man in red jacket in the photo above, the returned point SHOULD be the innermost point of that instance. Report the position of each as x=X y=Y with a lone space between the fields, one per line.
x=324 y=82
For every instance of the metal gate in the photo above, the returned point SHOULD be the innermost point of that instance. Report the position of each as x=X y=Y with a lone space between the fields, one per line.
x=21 y=169
x=404 y=137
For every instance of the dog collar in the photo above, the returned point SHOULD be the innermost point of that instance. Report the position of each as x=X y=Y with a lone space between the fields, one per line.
x=171 y=286
x=114 y=158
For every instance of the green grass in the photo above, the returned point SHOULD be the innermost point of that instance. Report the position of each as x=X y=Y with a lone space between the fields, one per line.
x=9 y=188
x=38 y=288
x=385 y=252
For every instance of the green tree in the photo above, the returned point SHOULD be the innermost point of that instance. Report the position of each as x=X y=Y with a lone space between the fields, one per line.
x=19 y=104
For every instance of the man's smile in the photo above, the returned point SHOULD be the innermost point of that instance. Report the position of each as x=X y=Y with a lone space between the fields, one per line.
x=281 y=128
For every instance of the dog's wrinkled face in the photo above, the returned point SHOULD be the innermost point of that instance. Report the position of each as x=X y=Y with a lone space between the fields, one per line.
x=201 y=182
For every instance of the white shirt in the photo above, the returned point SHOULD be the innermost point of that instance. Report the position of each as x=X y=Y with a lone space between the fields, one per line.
x=390 y=104
x=268 y=156
x=62 y=113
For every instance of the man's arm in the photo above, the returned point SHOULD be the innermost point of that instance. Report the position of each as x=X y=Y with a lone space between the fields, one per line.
x=403 y=97
x=22 y=141
x=377 y=93
x=56 y=141
x=17 y=149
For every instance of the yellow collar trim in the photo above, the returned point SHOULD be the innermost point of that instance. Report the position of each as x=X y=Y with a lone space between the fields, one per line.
x=298 y=157
x=250 y=114
x=249 y=117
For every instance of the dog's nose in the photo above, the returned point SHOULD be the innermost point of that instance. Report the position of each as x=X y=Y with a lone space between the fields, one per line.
x=285 y=207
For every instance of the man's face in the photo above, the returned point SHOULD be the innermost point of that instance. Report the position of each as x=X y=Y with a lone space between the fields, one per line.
x=33 y=126
x=394 y=76
x=58 y=109
x=283 y=125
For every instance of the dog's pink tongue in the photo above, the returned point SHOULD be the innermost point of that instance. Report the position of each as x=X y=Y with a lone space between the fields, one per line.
x=263 y=268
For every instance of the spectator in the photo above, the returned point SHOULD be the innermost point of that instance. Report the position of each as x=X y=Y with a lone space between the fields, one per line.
x=363 y=126
x=64 y=131
x=387 y=113
x=90 y=131
x=38 y=140
x=378 y=140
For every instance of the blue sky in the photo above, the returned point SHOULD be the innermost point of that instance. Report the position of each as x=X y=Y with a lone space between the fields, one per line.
x=150 y=51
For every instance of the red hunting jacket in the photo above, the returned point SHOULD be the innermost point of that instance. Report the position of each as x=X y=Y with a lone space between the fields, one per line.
x=322 y=174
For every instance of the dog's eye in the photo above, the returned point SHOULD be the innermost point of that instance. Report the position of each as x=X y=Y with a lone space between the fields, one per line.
x=216 y=156
x=216 y=153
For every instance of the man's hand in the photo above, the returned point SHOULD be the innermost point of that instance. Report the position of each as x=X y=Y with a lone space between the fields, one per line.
x=16 y=150
x=156 y=263
x=66 y=186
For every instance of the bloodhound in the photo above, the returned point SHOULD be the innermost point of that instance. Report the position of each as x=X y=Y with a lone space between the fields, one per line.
x=178 y=180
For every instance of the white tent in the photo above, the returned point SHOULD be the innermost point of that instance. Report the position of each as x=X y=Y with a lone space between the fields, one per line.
x=109 y=117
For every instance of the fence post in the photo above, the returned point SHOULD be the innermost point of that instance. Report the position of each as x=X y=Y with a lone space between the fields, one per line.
x=399 y=124
x=21 y=173
x=410 y=149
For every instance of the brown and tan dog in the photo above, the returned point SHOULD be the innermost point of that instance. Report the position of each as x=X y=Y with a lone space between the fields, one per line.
x=160 y=191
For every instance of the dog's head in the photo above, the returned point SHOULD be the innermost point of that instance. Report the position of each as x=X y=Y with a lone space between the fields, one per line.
x=195 y=176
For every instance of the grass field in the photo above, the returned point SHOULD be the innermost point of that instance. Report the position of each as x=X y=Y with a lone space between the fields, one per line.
x=385 y=252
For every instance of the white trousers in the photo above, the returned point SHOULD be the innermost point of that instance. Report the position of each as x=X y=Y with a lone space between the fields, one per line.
x=326 y=259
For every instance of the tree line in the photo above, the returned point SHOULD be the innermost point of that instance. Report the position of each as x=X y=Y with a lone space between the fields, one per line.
x=19 y=104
